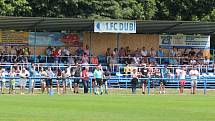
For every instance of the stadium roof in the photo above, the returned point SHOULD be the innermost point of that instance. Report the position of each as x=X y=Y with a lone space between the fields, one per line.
x=75 y=24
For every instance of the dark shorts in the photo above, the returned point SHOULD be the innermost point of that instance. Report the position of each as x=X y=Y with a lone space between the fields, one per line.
x=99 y=81
x=76 y=81
x=134 y=81
x=48 y=82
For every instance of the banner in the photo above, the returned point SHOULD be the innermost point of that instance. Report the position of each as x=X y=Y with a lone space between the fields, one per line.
x=185 y=41
x=115 y=26
x=13 y=38
x=55 y=39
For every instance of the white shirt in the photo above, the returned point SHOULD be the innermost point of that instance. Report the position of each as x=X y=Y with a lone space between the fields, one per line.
x=194 y=74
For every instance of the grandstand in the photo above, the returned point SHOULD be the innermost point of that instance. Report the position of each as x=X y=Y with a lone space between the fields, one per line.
x=114 y=60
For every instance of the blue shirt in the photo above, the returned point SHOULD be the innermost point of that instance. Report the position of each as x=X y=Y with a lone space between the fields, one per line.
x=98 y=74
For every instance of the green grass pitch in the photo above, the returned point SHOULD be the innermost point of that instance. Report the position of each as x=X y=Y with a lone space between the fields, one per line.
x=107 y=108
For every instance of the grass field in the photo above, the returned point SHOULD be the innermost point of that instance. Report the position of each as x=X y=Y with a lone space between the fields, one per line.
x=107 y=108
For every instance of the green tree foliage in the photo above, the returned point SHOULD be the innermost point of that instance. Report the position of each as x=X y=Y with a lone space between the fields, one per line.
x=15 y=8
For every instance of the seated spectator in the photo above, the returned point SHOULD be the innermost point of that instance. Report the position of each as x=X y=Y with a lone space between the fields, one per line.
x=173 y=61
x=152 y=55
x=87 y=50
x=192 y=53
x=71 y=60
x=193 y=61
x=160 y=54
x=144 y=52
x=127 y=51
x=136 y=60
x=79 y=51
x=85 y=59
x=185 y=53
x=49 y=54
x=206 y=61
x=65 y=53
x=94 y=60
x=128 y=60
x=200 y=54
x=56 y=54
x=121 y=55
x=137 y=52
x=173 y=52
x=127 y=69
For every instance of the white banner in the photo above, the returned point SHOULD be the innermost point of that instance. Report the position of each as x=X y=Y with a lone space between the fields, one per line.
x=185 y=41
x=115 y=26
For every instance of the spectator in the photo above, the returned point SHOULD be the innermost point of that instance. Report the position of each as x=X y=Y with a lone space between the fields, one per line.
x=144 y=74
x=193 y=61
x=173 y=52
x=152 y=55
x=79 y=51
x=160 y=54
x=94 y=60
x=85 y=59
x=200 y=54
x=3 y=74
x=108 y=54
x=49 y=54
x=192 y=53
x=50 y=75
x=122 y=55
x=24 y=74
x=182 y=77
x=77 y=75
x=71 y=60
x=87 y=50
x=138 y=52
x=98 y=76
x=106 y=76
x=144 y=52
x=134 y=80
x=65 y=54
x=12 y=87
x=193 y=75
x=85 y=78
x=127 y=51
x=206 y=60
x=43 y=81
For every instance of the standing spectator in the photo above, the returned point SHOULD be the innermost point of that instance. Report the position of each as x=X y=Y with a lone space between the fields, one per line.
x=98 y=75
x=194 y=73
x=144 y=74
x=77 y=75
x=134 y=80
x=24 y=74
x=106 y=77
x=85 y=78
x=12 y=81
x=33 y=73
x=43 y=75
x=3 y=74
x=50 y=75
x=71 y=60
x=13 y=54
x=59 y=79
x=182 y=77
x=165 y=72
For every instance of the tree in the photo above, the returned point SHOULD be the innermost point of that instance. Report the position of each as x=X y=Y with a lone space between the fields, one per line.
x=14 y=8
